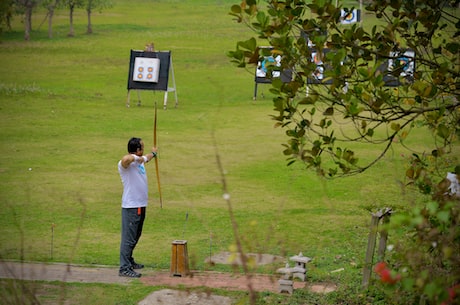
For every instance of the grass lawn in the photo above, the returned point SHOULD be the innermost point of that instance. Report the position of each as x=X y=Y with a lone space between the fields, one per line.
x=64 y=126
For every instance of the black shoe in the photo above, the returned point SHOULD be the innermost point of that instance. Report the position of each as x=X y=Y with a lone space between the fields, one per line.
x=129 y=273
x=137 y=266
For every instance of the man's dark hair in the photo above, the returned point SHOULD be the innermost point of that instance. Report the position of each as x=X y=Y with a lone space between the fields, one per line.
x=134 y=144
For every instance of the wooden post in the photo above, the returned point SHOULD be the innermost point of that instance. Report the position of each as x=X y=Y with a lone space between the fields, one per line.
x=383 y=238
x=370 y=250
x=179 y=258
x=376 y=217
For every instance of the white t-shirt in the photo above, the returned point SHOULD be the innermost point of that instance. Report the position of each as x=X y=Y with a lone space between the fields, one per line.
x=135 y=187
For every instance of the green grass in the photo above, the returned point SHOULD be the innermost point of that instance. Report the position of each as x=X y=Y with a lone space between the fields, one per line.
x=73 y=293
x=64 y=126
x=85 y=293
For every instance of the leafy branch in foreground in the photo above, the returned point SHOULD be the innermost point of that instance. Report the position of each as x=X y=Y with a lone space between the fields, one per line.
x=373 y=84
x=350 y=84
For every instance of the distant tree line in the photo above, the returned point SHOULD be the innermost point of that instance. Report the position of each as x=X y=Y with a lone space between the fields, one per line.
x=25 y=9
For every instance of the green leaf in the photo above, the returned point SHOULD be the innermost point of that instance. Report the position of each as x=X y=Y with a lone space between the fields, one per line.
x=262 y=18
x=353 y=108
x=249 y=44
x=443 y=216
x=277 y=83
x=453 y=47
x=395 y=126
x=443 y=131
x=410 y=173
x=322 y=123
x=408 y=284
x=432 y=207
x=307 y=101
x=236 y=9
x=329 y=111
x=432 y=289
x=364 y=73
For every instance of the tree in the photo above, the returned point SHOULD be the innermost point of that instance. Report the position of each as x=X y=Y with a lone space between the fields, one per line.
x=95 y=4
x=6 y=13
x=50 y=5
x=371 y=85
x=72 y=5
x=26 y=7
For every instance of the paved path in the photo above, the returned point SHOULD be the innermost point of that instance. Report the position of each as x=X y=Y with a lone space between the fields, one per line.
x=60 y=272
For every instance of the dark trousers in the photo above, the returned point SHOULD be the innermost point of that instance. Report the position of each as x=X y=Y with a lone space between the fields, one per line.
x=132 y=221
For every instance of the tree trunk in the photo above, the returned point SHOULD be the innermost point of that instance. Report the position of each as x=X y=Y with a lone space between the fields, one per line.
x=50 y=21
x=51 y=9
x=28 y=20
x=30 y=8
x=90 y=27
x=26 y=30
x=8 y=18
x=71 y=31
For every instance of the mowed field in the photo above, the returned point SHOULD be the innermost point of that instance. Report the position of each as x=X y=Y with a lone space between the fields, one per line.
x=64 y=125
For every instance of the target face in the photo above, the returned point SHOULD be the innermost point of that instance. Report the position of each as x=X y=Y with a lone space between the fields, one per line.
x=350 y=16
x=146 y=69
x=404 y=62
x=319 y=72
x=262 y=66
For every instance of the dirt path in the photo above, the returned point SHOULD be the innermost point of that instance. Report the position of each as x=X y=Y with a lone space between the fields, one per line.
x=219 y=280
x=104 y=274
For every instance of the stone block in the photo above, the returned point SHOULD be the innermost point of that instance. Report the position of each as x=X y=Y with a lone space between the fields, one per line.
x=286 y=286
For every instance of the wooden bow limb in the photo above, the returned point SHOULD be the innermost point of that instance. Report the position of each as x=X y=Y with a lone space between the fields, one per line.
x=156 y=158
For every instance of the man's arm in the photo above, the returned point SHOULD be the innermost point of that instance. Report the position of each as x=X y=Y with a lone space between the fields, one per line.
x=128 y=159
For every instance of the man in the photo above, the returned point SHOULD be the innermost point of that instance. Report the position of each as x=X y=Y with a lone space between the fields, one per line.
x=134 y=202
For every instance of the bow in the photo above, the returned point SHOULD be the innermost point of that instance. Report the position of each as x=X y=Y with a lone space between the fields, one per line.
x=156 y=158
